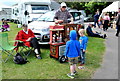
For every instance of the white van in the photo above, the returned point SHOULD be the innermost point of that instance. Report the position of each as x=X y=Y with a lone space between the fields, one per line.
x=27 y=11
x=41 y=26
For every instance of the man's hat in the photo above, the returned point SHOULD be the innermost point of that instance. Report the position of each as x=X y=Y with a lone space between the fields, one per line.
x=63 y=4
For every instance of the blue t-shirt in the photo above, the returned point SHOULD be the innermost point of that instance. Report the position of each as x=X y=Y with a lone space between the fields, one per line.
x=83 y=43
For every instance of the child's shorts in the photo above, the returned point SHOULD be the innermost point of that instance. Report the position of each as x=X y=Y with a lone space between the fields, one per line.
x=73 y=60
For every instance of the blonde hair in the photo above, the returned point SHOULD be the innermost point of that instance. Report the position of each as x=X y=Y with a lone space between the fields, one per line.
x=81 y=31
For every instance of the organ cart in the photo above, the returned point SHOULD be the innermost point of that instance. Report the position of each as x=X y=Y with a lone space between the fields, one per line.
x=59 y=35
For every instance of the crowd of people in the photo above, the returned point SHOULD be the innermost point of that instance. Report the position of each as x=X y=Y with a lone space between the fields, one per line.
x=103 y=22
x=75 y=49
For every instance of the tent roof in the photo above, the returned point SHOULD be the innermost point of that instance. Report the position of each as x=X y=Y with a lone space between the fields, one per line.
x=112 y=7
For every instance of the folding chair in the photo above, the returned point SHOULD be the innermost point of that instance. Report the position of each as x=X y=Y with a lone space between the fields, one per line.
x=21 y=48
x=5 y=47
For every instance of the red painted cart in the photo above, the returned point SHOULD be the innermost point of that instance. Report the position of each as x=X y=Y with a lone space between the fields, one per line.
x=59 y=35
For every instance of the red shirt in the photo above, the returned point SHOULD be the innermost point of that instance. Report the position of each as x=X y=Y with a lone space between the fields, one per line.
x=23 y=36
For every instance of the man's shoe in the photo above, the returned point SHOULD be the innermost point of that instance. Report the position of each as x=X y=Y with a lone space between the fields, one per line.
x=117 y=35
x=104 y=36
x=69 y=75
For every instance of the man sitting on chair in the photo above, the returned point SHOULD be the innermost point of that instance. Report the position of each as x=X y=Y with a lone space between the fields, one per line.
x=27 y=36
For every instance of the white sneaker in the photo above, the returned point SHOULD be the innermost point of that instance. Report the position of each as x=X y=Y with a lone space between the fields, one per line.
x=69 y=75
x=81 y=67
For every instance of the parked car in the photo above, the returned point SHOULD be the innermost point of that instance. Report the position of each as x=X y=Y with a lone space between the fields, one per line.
x=76 y=16
x=41 y=26
x=89 y=18
x=83 y=12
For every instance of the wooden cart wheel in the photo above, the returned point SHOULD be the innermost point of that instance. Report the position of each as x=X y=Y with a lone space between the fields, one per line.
x=62 y=59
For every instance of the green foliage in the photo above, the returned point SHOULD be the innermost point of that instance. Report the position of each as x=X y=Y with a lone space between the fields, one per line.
x=76 y=5
x=89 y=7
x=93 y=6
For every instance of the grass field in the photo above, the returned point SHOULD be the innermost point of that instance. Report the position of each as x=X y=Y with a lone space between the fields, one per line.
x=50 y=68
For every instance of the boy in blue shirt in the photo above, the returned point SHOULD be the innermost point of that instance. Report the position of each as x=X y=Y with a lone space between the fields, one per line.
x=83 y=44
x=72 y=52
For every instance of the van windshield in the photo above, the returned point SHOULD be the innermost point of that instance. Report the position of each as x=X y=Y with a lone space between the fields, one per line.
x=40 y=7
x=49 y=16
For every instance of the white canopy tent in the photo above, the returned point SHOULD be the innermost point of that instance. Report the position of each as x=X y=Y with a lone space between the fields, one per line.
x=111 y=8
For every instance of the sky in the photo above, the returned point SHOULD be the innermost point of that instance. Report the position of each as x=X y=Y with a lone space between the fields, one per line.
x=9 y=2
x=12 y=2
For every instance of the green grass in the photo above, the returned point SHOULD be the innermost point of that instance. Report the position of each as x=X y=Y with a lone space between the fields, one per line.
x=50 y=68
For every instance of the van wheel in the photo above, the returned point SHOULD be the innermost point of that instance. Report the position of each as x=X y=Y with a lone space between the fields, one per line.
x=62 y=59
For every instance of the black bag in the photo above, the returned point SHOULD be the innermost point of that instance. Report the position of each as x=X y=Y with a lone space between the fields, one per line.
x=18 y=59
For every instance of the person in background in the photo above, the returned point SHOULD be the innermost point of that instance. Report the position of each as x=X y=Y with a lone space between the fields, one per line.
x=118 y=23
x=92 y=33
x=72 y=51
x=3 y=20
x=96 y=17
x=27 y=36
x=62 y=14
x=106 y=21
x=98 y=12
x=6 y=26
x=100 y=21
x=83 y=45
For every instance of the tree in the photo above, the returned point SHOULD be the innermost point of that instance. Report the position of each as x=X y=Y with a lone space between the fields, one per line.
x=93 y=6
x=89 y=7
